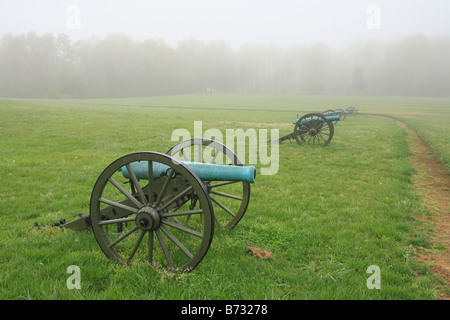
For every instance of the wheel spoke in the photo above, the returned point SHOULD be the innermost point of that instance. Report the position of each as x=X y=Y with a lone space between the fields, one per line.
x=222 y=206
x=303 y=130
x=136 y=183
x=181 y=194
x=125 y=192
x=308 y=138
x=181 y=213
x=164 y=248
x=321 y=136
x=118 y=205
x=325 y=132
x=223 y=184
x=217 y=221
x=150 y=246
x=223 y=194
x=318 y=140
x=171 y=236
x=182 y=228
x=164 y=188
x=115 y=221
x=325 y=127
x=112 y=244
x=136 y=246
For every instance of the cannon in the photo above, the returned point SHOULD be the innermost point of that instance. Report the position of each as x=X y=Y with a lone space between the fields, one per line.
x=312 y=128
x=170 y=202
x=337 y=112
x=342 y=114
x=352 y=111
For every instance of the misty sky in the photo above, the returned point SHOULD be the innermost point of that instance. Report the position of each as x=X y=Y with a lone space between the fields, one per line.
x=281 y=22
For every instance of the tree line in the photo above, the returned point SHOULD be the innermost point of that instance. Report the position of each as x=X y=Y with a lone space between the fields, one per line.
x=52 y=66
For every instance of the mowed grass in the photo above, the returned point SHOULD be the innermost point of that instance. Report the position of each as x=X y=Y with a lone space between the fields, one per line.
x=325 y=217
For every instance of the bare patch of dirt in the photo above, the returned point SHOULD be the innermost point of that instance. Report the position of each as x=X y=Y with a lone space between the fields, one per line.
x=263 y=254
x=432 y=183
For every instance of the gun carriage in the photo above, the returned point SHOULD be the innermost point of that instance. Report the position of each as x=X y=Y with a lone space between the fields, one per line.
x=151 y=206
x=312 y=129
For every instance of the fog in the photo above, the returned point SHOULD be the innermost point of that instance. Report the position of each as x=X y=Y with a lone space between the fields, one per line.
x=96 y=49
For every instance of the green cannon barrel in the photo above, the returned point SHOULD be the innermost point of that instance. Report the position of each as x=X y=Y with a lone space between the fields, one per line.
x=205 y=171
x=329 y=118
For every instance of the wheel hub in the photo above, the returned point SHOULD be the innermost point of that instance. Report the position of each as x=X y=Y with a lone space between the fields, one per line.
x=148 y=219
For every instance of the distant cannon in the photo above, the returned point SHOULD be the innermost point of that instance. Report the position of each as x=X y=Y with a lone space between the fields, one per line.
x=168 y=201
x=352 y=111
x=313 y=128
x=337 y=112
x=341 y=113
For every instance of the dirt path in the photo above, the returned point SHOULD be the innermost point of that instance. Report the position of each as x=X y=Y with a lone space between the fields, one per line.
x=432 y=183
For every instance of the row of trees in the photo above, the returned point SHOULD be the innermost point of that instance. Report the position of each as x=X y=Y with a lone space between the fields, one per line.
x=49 y=66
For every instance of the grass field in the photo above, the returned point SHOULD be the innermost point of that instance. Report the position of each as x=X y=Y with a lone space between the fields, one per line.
x=325 y=217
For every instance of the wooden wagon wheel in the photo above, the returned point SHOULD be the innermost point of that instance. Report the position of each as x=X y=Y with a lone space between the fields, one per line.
x=151 y=209
x=230 y=199
x=313 y=128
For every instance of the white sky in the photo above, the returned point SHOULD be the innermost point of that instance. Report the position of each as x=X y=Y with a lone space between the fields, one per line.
x=282 y=22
